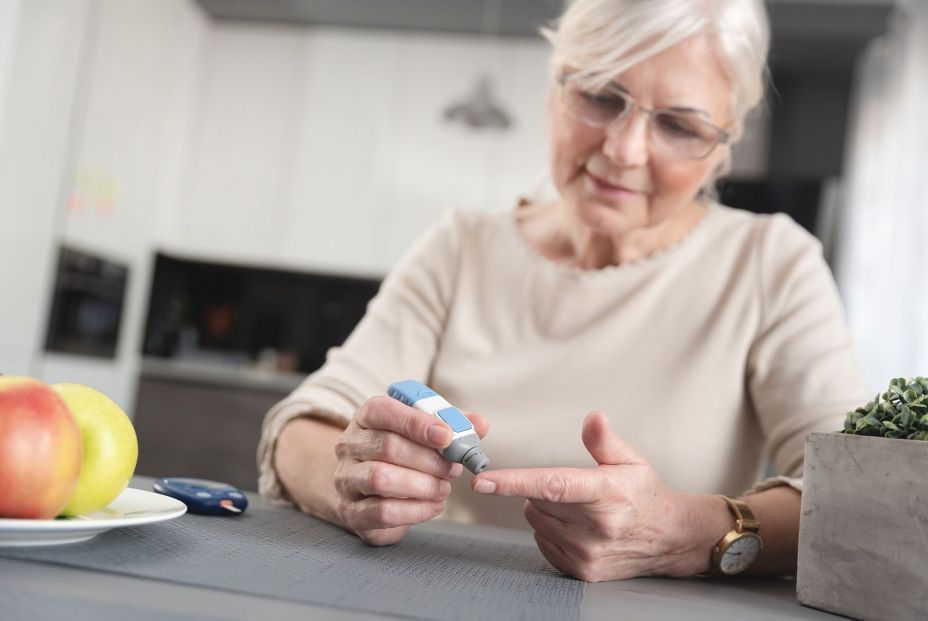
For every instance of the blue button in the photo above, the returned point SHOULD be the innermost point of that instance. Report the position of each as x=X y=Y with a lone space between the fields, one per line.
x=426 y=393
x=455 y=419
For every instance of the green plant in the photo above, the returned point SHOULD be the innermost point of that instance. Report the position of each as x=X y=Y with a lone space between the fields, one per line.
x=902 y=412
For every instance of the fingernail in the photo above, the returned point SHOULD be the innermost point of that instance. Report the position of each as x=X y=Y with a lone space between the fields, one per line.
x=456 y=470
x=484 y=487
x=445 y=490
x=437 y=434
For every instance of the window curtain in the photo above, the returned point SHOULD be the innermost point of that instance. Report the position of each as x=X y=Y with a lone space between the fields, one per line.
x=881 y=249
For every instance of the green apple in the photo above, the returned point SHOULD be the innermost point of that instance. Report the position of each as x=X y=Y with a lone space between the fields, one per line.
x=111 y=448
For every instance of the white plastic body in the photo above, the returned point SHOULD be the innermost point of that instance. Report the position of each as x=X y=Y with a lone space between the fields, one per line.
x=432 y=405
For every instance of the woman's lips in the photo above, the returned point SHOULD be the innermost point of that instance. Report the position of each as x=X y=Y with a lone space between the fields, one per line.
x=609 y=189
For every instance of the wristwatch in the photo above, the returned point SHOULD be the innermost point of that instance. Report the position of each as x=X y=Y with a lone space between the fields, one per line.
x=738 y=549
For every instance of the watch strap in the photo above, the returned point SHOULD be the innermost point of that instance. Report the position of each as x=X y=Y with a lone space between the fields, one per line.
x=744 y=517
x=745 y=522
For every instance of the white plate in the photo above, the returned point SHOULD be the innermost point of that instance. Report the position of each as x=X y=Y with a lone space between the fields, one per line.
x=131 y=508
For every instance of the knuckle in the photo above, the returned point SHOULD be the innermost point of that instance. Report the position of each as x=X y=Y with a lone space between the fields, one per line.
x=381 y=401
x=339 y=482
x=442 y=488
x=343 y=445
x=362 y=514
x=365 y=413
x=387 y=446
x=343 y=509
x=340 y=479
x=604 y=527
x=554 y=489
x=378 y=478
x=409 y=426
x=385 y=514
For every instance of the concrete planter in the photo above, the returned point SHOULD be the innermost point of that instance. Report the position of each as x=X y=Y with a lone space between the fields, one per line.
x=863 y=535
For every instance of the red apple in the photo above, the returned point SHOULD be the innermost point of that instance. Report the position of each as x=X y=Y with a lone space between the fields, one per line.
x=40 y=450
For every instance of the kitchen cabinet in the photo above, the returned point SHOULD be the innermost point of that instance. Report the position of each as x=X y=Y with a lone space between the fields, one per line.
x=326 y=149
x=234 y=197
x=204 y=422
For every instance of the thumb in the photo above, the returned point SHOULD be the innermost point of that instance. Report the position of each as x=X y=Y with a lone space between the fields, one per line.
x=606 y=447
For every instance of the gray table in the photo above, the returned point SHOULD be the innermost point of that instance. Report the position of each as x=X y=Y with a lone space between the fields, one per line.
x=57 y=591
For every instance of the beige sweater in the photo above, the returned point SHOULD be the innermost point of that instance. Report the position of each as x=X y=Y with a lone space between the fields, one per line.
x=710 y=356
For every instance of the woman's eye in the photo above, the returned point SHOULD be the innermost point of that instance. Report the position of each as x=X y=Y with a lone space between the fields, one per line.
x=604 y=101
x=677 y=126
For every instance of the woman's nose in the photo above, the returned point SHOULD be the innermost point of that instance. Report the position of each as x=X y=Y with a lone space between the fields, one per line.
x=626 y=141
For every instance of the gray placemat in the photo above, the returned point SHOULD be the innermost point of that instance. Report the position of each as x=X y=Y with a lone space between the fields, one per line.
x=28 y=605
x=279 y=552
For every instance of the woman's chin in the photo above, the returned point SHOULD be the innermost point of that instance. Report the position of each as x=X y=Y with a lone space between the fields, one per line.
x=608 y=219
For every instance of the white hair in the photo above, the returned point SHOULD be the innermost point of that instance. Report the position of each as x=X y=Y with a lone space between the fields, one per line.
x=600 y=39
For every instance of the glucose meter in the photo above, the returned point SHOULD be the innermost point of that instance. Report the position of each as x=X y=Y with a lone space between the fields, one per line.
x=465 y=443
x=202 y=496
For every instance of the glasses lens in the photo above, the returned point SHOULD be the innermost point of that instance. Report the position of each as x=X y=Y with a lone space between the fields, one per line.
x=597 y=109
x=685 y=134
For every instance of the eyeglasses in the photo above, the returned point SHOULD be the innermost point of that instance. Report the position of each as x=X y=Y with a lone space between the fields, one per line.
x=683 y=133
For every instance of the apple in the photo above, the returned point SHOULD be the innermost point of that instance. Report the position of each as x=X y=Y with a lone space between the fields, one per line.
x=40 y=449
x=111 y=448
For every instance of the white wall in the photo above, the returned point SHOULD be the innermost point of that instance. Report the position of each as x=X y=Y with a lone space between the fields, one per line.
x=127 y=138
x=42 y=81
x=9 y=19
x=325 y=149
x=430 y=164
x=234 y=191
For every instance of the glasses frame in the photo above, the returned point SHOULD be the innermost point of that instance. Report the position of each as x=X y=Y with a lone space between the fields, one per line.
x=722 y=135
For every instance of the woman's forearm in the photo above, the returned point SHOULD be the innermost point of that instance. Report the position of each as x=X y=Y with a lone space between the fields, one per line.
x=777 y=511
x=304 y=459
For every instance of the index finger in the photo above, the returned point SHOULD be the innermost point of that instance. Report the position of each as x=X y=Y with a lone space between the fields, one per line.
x=388 y=414
x=559 y=485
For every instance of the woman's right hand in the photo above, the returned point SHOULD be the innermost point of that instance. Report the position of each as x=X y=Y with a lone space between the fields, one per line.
x=389 y=474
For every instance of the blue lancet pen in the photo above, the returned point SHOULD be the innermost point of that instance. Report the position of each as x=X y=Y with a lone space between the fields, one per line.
x=465 y=443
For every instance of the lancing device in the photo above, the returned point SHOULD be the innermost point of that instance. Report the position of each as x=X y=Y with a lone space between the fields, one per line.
x=465 y=443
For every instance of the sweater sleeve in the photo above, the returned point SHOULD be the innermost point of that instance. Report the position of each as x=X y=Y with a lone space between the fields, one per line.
x=397 y=339
x=802 y=374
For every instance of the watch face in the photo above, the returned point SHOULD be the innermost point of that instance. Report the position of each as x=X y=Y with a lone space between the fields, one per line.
x=740 y=554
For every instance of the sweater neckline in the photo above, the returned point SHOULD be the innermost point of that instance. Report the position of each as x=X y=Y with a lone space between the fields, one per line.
x=659 y=256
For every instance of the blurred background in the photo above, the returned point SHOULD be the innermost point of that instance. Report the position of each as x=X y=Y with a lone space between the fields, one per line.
x=199 y=197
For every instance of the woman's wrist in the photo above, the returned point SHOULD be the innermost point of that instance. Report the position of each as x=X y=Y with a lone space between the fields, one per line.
x=704 y=520
x=304 y=461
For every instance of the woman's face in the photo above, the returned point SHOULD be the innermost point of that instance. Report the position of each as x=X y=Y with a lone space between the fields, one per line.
x=614 y=178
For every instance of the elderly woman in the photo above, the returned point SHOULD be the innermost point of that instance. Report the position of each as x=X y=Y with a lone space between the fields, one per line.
x=707 y=341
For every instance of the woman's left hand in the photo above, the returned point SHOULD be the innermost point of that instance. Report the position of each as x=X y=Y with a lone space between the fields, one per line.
x=612 y=521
